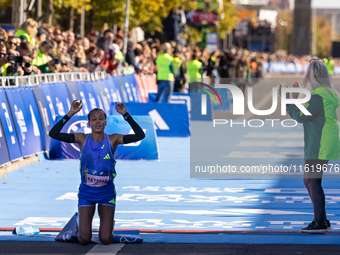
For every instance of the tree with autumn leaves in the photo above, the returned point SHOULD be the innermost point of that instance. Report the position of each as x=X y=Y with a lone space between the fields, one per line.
x=147 y=14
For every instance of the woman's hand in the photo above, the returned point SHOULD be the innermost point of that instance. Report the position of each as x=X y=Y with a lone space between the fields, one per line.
x=120 y=108
x=75 y=108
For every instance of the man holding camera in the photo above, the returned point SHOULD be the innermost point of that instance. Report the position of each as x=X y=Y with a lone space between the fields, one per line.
x=18 y=62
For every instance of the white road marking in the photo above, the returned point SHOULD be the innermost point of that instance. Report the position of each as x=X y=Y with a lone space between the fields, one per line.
x=270 y=144
x=290 y=135
x=113 y=248
x=262 y=154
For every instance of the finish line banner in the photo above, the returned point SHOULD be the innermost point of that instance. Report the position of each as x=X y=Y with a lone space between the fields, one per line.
x=146 y=149
x=169 y=119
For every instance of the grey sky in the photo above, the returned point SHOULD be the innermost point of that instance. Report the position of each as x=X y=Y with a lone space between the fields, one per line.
x=322 y=4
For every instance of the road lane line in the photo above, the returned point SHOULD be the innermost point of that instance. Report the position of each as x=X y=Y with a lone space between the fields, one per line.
x=113 y=249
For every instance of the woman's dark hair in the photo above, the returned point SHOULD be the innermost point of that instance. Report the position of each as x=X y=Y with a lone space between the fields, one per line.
x=95 y=109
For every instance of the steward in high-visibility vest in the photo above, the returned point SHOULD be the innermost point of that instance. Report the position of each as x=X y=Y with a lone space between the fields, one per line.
x=330 y=65
x=27 y=31
x=165 y=73
x=25 y=36
x=194 y=69
x=177 y=66
x=41 y=60
x=164 y=63
x=3 y=69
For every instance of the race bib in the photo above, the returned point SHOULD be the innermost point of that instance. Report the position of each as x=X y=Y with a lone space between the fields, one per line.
x=97 y=178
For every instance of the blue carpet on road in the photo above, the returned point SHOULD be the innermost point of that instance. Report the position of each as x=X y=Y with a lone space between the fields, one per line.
x=160 y=195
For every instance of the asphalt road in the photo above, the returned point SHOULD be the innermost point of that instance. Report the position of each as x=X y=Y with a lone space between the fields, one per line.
x=52 y=248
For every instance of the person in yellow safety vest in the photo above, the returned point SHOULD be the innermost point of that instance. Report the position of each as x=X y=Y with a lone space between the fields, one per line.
x=179 y=71
x=165 y=73
x=119 y=55
x=330 y=65
x=41 y=60
x=195 y=69
x=27 y=31
x=3 y=59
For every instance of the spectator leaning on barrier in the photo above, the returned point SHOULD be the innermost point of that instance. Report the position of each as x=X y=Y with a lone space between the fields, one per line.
x=28 y=31
x=41 y=60
x=165 y=73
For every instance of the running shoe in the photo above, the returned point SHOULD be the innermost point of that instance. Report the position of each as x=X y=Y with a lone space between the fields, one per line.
x=314 y=227
x=329 y=227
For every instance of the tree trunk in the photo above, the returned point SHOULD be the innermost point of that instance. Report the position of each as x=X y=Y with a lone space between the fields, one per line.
x=71 y=25
x=38 y=10
x=91 y=20
x=82 y=22
x=49 y=11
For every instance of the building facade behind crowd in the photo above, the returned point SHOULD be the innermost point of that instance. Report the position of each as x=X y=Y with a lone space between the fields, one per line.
x=35 y=49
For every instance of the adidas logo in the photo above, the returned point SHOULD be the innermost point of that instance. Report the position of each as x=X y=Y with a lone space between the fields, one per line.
x=107 y=156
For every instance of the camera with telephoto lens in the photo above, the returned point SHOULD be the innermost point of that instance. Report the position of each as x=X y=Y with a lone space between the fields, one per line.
x=15 y=62
x=18 y=59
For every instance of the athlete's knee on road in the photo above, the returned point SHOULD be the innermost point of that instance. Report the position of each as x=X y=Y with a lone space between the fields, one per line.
x=84 y=239
x=106 y=239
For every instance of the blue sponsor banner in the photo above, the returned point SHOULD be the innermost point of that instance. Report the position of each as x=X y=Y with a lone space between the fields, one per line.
x=74 y=94
x=94 y=89
x=57 y=99
x=4 y=154
x=146 y=149
x=176 y=98
x=26 y=120
x=117 y=80
x=226 y=98
x=73 y=90
x=114 y=90
x=88 y=96
x=9 y=127
x=125 y=81
x=35 y=123
x=283 y=67
x=45 y=114
x=169 y=119
x=104 y=94
x=196 y=107
x=134 y=88
x=62 y=100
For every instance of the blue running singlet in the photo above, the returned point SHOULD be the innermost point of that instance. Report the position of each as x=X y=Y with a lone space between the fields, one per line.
x=97 y=169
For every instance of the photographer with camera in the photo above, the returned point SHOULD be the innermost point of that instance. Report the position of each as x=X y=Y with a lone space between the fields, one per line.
x=3 y=60
x=20 y=61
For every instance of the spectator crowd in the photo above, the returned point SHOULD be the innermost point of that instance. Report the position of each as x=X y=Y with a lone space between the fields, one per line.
x=35 y=49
